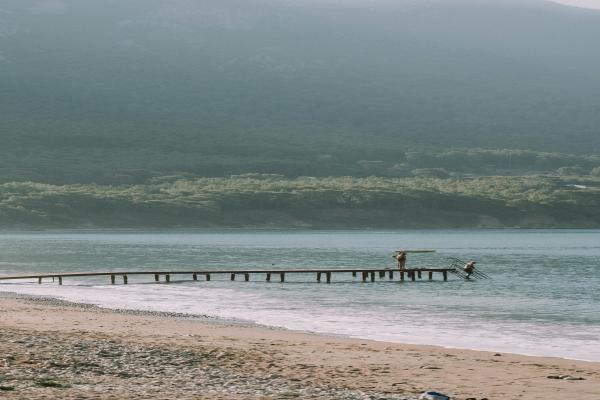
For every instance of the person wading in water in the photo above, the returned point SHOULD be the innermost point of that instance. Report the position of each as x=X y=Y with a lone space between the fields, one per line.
x=469 y=268
x=400 y=257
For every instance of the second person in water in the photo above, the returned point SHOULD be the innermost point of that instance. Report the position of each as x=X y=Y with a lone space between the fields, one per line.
x=469 y=268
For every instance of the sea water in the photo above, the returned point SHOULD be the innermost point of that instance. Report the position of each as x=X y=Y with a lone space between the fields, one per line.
x=543 y=297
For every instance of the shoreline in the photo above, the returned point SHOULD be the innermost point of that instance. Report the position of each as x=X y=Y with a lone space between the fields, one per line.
x=228 y=359
x=249 y=323
x=45 y=299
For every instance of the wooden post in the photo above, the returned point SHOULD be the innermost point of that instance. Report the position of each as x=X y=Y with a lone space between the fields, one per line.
x=381 y=274
x=112 y=279
x=60 y=280
x=391 y=274
x=125 y=279
x=232 y=276
x=246 y=277
x=354 y=274
x=419 y=274
x=156 y=278
x=430 y=275
x=318 y=277
x=328 y=276
x=364 y=276
x=195 y=276
x=282 y=276
x=40 y=280
x=168 y=278
x=268 y=277
x=208 y=277
x=402 y=276
x=445 y=275
x=412 y=275
x=372 y=276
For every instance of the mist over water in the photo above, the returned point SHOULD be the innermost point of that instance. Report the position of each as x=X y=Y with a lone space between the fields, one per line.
x=542 y=298
x=589 y=4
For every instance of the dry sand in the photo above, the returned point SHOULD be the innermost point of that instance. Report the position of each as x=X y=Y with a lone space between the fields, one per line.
x=50 y=349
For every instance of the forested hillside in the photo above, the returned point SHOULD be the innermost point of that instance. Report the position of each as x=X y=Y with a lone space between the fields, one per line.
x=382 y=113
x=274 y=201
x=121 y=91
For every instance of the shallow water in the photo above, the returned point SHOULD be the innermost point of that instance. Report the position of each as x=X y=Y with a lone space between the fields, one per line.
x=543 y=298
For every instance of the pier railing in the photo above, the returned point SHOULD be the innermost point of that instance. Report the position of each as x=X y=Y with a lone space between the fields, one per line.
x=321 y=274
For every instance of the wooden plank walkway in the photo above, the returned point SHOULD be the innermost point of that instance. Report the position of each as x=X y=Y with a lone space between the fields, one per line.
x=368 y=274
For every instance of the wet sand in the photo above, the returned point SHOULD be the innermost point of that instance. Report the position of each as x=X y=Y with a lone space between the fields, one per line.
x=52 y=349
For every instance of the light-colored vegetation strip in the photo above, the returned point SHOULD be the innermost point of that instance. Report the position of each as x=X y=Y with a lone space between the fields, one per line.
x=211 y=196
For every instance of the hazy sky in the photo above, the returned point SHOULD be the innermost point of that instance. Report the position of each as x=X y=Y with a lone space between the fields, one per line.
x=581 y=3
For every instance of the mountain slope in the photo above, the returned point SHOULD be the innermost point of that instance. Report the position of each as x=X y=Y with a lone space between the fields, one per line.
x=91 y=90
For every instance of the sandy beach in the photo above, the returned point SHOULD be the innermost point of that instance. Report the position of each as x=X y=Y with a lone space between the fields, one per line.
x=52 y=349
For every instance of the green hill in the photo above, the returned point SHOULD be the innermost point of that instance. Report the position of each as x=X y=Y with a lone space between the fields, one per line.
x=380 y=113
x=118 y=92
x=274 y=201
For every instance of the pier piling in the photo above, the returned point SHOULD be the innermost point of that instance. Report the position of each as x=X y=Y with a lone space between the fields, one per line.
x=365 y=274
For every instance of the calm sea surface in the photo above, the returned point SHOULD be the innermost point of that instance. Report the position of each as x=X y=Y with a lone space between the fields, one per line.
x=543 y=298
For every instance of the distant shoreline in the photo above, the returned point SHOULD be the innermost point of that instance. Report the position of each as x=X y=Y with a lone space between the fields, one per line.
x=292 y=227
x=211 y=229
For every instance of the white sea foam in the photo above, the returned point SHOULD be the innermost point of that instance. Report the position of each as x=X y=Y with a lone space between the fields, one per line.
x=367 y=321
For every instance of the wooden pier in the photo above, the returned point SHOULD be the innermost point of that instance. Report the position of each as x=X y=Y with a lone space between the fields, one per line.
x=365 y=275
